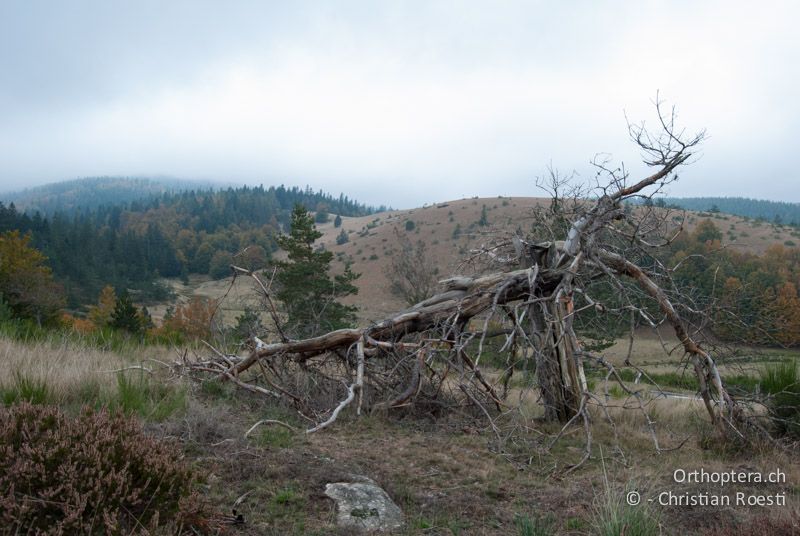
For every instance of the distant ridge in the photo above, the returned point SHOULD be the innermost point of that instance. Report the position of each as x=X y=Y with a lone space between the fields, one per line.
x=92 y=192
x=773 y=211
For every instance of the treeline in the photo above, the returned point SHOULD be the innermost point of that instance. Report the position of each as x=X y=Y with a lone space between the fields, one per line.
x=774 y=211
x=130 y=245
x=753 y=299
x=739 y=297
x=32 y=304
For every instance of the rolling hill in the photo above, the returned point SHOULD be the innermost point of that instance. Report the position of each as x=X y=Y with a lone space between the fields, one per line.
x=92 y=192
x=372 y=242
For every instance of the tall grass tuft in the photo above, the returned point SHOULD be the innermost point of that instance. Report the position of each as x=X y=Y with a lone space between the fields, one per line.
x=69 y=373
x=781 y=382
x=26 y=389
x=535 y=525
x=613 y=516
x=149 y=399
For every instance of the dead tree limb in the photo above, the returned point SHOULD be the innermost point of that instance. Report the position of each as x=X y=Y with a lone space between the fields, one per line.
x=534 y=284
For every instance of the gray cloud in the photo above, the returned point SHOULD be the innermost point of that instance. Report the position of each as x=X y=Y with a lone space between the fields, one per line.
x=398 y=103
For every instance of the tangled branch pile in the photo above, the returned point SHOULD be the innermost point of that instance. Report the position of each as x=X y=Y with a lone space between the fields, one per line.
x=429 y=355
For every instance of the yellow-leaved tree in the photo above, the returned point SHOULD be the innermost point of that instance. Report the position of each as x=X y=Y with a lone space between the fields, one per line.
x=100 y=314
x=26 y=282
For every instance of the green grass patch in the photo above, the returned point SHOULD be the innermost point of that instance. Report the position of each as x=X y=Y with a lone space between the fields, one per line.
x=615 y=391
x=287 y=505
x=687 y=380
x=614 y=516
x=217 y=390
x=275 y=437
x=26 y=389
x=535 y=525
x=781 y=382
x=151 y=400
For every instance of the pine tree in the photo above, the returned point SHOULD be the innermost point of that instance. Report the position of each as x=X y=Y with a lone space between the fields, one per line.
x=305 y=287
x=125 y=316
x=484 y=221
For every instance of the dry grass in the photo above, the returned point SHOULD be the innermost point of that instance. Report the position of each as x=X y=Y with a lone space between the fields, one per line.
x=449 y=476
x=452 y=477
x=65 y=366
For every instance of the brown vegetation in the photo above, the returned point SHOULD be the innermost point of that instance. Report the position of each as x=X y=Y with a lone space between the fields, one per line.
x=95 y=473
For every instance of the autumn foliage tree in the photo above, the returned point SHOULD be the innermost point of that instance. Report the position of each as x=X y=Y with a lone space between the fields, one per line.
x=753 y=298
x=787 y=315
x=196 y=319
x=100 y=314
x=26 y=282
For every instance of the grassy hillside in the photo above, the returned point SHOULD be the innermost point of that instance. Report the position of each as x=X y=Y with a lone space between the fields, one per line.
x=372 y=242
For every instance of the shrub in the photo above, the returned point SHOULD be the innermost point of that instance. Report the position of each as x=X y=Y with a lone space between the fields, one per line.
x=93 y=474
x=322 y=216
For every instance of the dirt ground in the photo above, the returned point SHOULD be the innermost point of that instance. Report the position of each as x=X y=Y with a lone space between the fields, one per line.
x=452 y=476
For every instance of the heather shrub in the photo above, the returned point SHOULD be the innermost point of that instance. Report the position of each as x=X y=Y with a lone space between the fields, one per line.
x=97 y=473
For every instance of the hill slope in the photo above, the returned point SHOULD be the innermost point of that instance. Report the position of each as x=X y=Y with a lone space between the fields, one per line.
x=372 y=242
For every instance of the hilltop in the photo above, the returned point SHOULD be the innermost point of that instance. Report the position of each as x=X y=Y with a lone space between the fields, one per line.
x=92 y=192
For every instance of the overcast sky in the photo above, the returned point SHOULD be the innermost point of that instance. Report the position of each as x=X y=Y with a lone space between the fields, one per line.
x=398 y=103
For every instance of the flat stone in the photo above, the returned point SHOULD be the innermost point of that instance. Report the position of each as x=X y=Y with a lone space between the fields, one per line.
x=364 y=505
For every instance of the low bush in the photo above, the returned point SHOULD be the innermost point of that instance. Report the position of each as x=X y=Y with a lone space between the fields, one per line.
x=97 y=473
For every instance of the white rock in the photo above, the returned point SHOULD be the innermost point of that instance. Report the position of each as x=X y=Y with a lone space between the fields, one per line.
x=364 y=505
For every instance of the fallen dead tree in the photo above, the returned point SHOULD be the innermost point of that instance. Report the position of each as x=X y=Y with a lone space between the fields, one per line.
x=428 y=356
